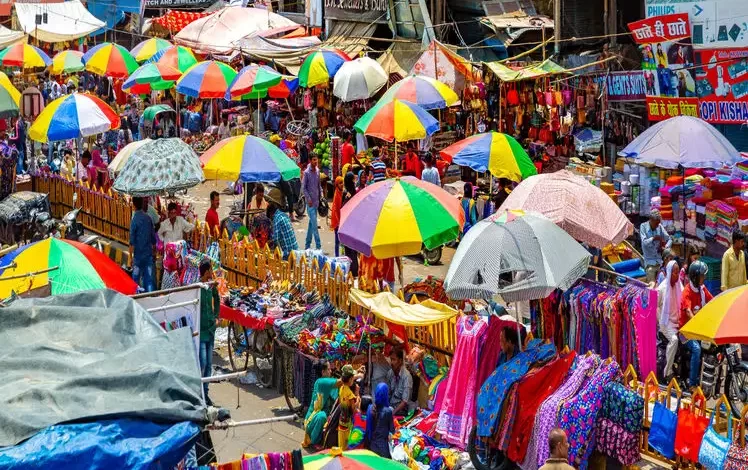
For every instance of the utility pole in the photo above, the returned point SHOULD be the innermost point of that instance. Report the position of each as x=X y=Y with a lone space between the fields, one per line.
x=556 y=26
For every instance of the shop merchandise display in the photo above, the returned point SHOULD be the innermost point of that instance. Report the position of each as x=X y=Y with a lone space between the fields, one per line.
x=269 y=461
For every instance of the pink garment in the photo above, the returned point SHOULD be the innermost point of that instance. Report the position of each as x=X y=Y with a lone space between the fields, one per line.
x=491 y=348
x=97 y=163
x=457 y=413
x=646 y=333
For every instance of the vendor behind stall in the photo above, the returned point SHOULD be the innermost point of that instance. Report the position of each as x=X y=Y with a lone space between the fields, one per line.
x=400 y=382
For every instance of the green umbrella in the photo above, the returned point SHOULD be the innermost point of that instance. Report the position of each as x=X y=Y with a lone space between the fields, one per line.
x=151 y=111
x=8 y=106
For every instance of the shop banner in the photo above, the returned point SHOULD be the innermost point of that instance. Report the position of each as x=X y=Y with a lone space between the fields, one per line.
x=626 y=86
x=660 y=108
x=722 y=85
x=661 y=29
x=715 y=24
x=357 y=10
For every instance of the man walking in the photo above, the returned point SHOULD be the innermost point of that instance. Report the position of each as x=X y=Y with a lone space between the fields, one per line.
x=311 y=190
x=210 y=306
x=378 y=168
x=654 y=239
x=430 y=173
x=733 y=263
x=211 y=217
x=142 y=246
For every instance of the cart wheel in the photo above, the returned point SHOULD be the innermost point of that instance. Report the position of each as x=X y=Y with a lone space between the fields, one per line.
x=238 y=346
x=293 y=404
x=262 y=356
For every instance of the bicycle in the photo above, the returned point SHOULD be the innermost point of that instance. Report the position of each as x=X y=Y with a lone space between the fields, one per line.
x=244 y=343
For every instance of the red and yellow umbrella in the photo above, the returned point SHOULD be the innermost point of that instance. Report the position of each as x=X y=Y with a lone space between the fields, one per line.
x=722 y=320
x=110 y=60
x=25 y=56
x=209 y=79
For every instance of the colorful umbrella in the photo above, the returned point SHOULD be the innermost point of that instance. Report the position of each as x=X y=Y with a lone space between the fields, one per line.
x=336 y=459
x=498 y=153
x=146 y=49
x=150 y=113
x=397 y=120
x=177 y=57
x=359 y=79
x=722 y=320
x=159 y=77
x=79 y=267
x=67 y=62
x=572 y=202
x=110 y=60
x=396 y=216
x=321 y=66
x=284 y=89
x=249 y=159
x=209 y=79
x=8 y=105
x=252 y=77
x=10 y=88
x=73 y=116
x=423 y=91
x=116 y=165
x=25 y=56
x=537 y=253
x=162 y=166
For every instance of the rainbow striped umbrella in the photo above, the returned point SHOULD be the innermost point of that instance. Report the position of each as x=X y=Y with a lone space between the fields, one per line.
x=498 y=153
x=396 y=216
x=722 y=320
x=77 y=267
x=321 y=66
x=249 y=159
x=110 y=60
x=146 y=49
x=178 y=57
x=423 y=91
x=336 y=459
x=397 y=120
x=67 y=62
x=209 y=79
x=6 y=84
x=25 y=56
x=252 y=77
x=284 y=89
x=159 y=77
x=73 y=116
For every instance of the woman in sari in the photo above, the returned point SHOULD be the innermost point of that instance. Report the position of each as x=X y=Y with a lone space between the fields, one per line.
x=468 y=207
x=97 y=171
x=324 y=394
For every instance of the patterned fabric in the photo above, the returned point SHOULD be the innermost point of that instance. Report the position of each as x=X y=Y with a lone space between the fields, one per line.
x=283 y=233
x=578 y=415
x=714 y=448
x=737 y=458
x=623 y=407
x=616 y=442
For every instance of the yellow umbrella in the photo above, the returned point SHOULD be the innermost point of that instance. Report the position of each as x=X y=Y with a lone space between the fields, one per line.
x=11 y=89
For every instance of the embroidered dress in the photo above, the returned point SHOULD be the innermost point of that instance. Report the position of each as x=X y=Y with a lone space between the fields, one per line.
x=457 y=412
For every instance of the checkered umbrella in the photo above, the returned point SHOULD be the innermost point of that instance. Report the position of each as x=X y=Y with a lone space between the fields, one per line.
x=518 y=255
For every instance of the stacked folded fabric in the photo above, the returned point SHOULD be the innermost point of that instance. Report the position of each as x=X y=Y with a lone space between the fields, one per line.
x=721 y=220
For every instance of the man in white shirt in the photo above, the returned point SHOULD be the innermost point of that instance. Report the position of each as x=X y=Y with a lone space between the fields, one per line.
x=81 y=169
x=174 y=227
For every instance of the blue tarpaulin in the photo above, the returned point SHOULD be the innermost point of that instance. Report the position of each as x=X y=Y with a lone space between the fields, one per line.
x=124 y=443
x=112 y=12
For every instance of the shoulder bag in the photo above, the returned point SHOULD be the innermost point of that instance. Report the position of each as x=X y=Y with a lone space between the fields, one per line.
x=714 y=447
x=663 y=428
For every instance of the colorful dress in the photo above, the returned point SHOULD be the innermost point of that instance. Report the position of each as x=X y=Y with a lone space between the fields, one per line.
x=457 y=412
x=323 y=396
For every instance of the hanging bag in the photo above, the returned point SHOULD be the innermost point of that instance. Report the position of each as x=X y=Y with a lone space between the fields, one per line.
x=512 y=96
x=737 y=456
x=692 y=424
x=663 y=428
x=714 y=447
x=568 y=95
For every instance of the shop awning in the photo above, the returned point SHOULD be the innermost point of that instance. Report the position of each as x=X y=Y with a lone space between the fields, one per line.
x=400 y=57
x=8 y=36
x=451 y=69
x=509 y=74
x=390 y=308
x=65 y=21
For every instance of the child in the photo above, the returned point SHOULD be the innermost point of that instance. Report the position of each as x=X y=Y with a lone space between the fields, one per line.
x=379 y=422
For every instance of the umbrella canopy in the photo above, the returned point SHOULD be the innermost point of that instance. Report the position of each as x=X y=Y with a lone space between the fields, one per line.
x=177 y=57
x=116 y=165
x=582 y=209
x=79 y=267
x=498 y=153
x=284 y=89
x=153 y=74
x=73 y=116
x=8 y=105
x=335 y=459
x=397 y=120
x=722 y=320
x=539 y=255
x=10 y=88
x=150 y=113
x=321 y=66
x=209 y=79
x=396 y=216
x=162 y=166
x=252 y=77
x=423 y=91
x=359 y=79
x=248 y=159
x=25 y=56
x=67 y=62
x=110 y=60
x=146 y=49
x=682 y=141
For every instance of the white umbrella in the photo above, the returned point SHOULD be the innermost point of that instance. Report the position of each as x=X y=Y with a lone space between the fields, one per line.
x=118 y=162
x=682 y=142
x=359 y=79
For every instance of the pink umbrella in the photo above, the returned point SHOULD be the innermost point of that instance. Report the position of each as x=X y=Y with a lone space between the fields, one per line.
x=582 y=209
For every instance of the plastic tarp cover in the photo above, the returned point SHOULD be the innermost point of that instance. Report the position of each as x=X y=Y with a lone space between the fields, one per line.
x=65 y=21
x=390 y=308
x=90 y=356
x=125 y=443
x=542 y=69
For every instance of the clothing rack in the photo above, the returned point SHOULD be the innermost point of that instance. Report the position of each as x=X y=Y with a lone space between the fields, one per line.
x=628 y=279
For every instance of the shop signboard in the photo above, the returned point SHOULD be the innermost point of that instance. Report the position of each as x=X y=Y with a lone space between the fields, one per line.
x=660 y=108
x=715 y=24
x=357 y=10
x=176 y=3
x=722 y=85
x=625 y=86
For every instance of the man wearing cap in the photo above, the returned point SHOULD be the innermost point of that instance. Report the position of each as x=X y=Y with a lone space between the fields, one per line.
x=654 y=239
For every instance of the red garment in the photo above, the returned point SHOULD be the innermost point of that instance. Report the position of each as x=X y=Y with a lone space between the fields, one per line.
x=211 y=218
x=347 y=153
x=337 y=204
x=491 y=348
x=386 y=269
x=532 y=391
x=413 y=164
x=692 y=300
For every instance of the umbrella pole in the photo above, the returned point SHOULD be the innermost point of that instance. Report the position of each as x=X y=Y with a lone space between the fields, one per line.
x=179 y=124
x=683 y=196
x=288 y=105
x=519 y=325
x=396 y=165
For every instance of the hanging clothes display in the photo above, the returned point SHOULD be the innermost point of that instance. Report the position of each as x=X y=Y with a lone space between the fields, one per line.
x=457 y=411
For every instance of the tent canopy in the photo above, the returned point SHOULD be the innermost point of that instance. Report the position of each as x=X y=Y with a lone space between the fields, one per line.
x=541 y=69
x=66 y=21
x=451 y=69
x=390 y=308
x=8 y=36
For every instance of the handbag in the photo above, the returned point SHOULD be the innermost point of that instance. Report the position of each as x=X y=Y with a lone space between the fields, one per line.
x=714 y=447
x=662 y=430
x=568 y=95
x=690 y=431
x=512 y=97
x=737 y=457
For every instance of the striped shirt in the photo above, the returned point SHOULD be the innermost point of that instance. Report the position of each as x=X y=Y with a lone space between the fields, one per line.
x=378 y=170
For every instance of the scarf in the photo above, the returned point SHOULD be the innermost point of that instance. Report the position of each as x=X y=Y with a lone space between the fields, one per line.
x=701 y=291
x=670 y=313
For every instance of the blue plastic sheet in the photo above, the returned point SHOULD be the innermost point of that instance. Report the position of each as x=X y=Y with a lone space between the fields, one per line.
x=123 y=443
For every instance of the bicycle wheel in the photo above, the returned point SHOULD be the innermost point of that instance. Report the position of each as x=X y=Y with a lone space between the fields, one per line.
x=238 y=346
x=482 y=455
x=262 y=356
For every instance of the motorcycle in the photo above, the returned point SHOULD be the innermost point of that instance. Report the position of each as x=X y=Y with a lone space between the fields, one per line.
x=74 y=230
x=723 y=371
x=42 y=226
x=432 y=256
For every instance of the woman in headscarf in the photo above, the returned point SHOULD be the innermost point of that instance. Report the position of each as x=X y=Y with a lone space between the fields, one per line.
x=669 y=295
x=349 y=185
x=468 y=207
x=97 y=168
x=379 y=422
x=324 y=394
x=337 y=205
x=362 y=177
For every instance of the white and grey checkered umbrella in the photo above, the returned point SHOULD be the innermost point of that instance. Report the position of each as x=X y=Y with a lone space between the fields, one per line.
x=518 y=255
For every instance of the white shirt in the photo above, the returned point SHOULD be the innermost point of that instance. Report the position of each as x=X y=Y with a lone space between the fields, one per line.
x=171 y=233
x=81 y=172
